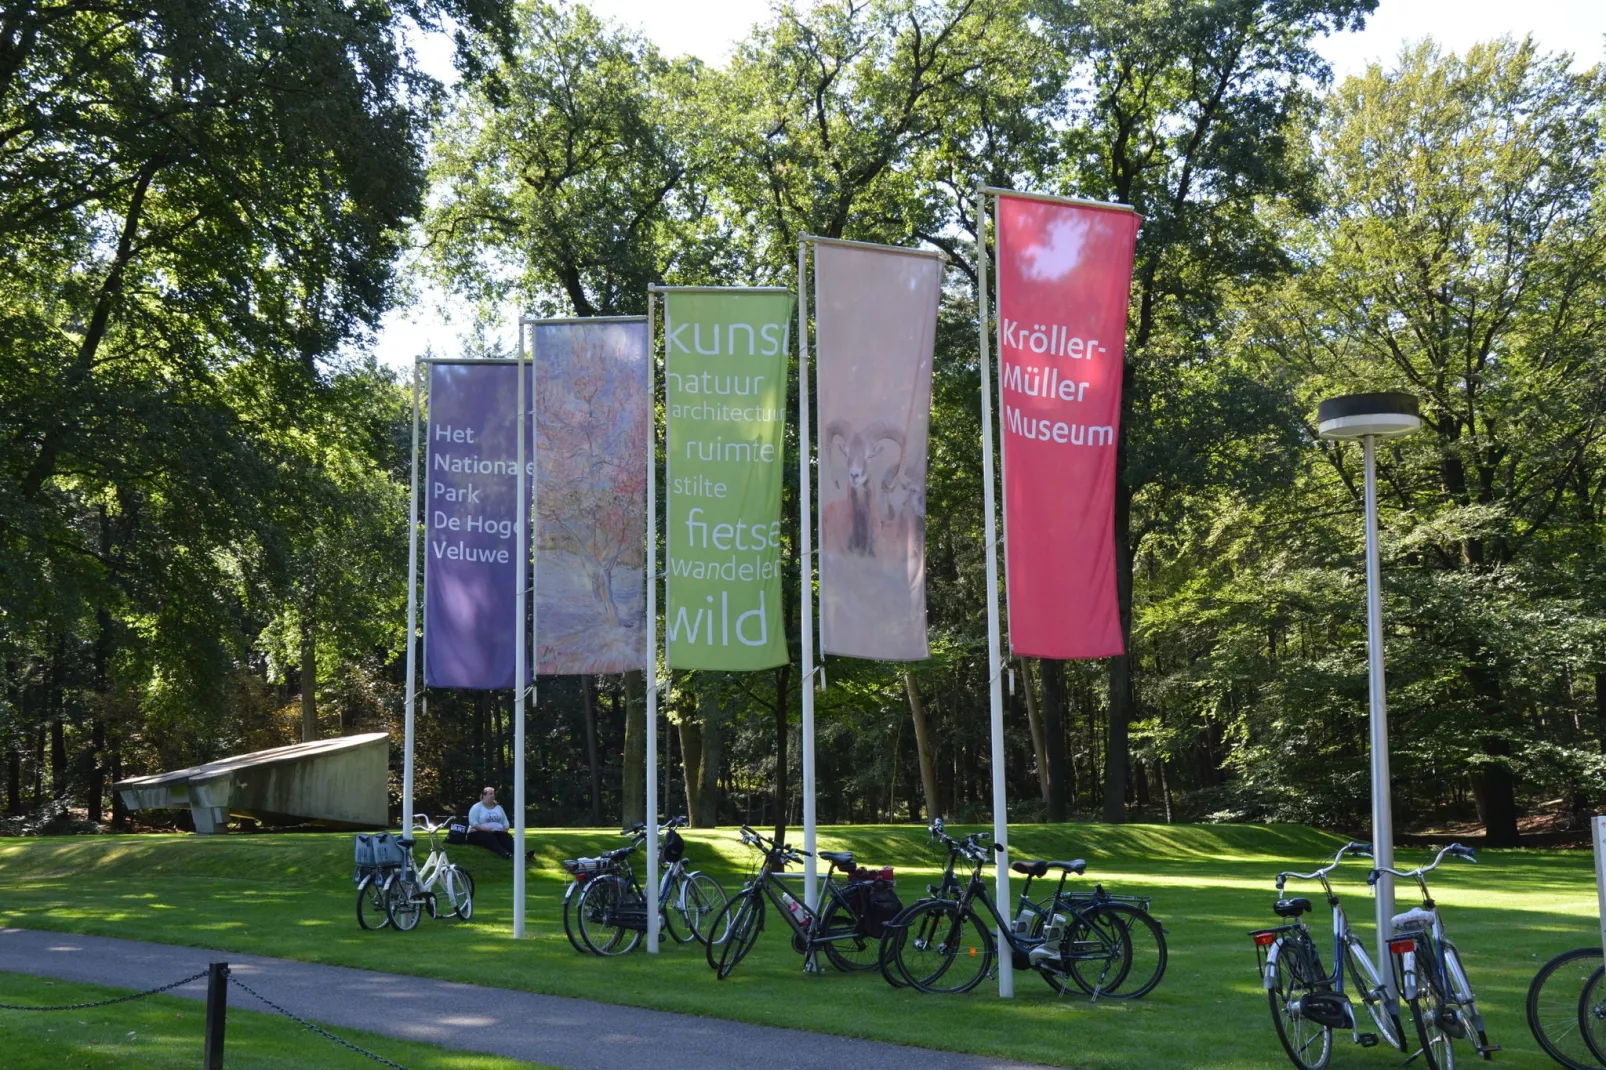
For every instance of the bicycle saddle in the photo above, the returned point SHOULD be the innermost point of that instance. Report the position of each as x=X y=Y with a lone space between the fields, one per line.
x=840 y=859
x=1291 y=908
x=407 y=843
x=620 y=852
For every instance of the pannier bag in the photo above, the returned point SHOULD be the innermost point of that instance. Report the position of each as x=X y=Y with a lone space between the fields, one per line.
x=874 y=900
x=674 y=847
x=376 y=851
x=457 y=830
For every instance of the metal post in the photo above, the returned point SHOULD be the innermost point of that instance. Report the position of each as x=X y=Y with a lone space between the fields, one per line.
x=1006 y=976
x=1382 y=807
x=652 y=638
x=217 y=1013
x=520 y=527
x=1598 y=826
x=412 y=624
x=805 y=563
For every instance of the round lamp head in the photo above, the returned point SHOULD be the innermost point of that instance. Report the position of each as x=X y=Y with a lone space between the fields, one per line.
x=1385 y=415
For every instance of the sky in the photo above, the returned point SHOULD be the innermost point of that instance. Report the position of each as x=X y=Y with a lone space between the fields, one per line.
x=709 y=29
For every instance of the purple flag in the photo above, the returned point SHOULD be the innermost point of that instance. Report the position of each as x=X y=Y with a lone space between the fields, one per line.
x=469 y=499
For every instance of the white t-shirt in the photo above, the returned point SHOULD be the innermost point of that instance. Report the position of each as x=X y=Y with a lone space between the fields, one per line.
x=479 y=814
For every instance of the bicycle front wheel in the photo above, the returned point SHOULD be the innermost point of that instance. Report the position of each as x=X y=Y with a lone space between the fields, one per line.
x=597 y=916
x=741 y=919
x=697 y=905
x=371 y=903
x=456 y=890
x=943 y=949
x=1363 y=977
x=1309 y=1045
x=1564 y=1008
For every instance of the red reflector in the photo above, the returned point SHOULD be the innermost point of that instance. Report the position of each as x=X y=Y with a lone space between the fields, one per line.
x=1400 y=947
x=1265 y=939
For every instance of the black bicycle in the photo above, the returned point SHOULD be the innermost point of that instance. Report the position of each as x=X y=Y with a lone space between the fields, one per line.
x=942 y=944
x=1567 y=1008
x=844 y=928
x=605 y=908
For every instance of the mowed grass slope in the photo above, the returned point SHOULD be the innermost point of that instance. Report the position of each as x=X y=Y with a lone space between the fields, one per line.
x=291 y=895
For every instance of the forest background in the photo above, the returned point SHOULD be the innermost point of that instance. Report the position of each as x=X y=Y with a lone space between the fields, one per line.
x=203 y=483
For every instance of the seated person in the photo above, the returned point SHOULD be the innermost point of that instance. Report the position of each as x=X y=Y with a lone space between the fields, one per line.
x=488 y=826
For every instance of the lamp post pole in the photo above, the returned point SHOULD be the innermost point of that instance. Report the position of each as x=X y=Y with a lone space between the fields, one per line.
x=1369 y=417
x=1382 y=796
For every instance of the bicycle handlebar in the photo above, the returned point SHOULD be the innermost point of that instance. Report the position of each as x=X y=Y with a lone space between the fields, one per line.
x=1353 y=847
x=1421 y=871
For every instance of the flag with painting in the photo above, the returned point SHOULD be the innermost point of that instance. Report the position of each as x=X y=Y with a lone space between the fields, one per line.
x=876 y=321
x=593 y=423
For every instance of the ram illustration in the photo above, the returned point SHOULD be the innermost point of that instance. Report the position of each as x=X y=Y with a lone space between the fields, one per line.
x=856 y=524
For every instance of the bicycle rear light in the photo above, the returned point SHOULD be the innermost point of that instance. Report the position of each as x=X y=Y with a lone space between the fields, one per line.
x=1265 y=939
x=1401 y=946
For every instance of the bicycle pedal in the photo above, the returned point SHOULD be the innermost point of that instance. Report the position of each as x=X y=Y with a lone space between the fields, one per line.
x=1367 y=1040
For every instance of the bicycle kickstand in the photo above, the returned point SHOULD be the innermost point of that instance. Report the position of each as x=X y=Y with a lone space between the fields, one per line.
x=811 y=962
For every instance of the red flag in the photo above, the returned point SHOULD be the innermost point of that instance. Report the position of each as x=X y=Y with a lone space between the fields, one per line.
x=1064 y=271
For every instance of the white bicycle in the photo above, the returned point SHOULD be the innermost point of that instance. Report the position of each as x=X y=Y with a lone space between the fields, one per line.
x=411 y=890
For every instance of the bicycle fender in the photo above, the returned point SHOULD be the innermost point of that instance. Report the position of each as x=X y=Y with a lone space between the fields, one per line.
x=1269 y=980
x=1408 y=972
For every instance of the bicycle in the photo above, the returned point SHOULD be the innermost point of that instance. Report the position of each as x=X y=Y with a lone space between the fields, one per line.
x=1141 y=931
x=1567 y=1009
x=411 y=890
x=1307 y=1002
x=1077 y=946
x=839 y=930
x=949 y=887
x=610 y=908
x=1432 y=980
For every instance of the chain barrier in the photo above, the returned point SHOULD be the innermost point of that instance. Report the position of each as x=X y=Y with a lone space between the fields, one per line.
x=316 y=1029
x=106 y=1002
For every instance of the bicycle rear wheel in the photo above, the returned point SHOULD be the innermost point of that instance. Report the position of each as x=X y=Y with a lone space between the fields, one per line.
x=1563 y=1008
x=402 y=904
x=371 y=903
x=1309 y=1045
x=597 y=916
x=1432 y=1012
x=944 y=950
x=851 y=948
x=741 y=919
x=1095 y=953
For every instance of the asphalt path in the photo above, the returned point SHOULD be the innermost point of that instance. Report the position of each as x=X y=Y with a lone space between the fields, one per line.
x=554 y=1030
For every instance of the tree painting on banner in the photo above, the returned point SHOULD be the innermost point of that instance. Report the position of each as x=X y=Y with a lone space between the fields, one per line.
x=876 y=320
x=725 y=396
x=592 y=421
x=1063 y=275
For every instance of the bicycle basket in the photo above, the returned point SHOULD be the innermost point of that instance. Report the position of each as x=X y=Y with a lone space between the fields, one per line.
x=376 y=851
x=674 y=847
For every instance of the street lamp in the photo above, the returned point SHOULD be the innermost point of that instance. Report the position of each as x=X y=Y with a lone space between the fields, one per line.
x=1370 y=417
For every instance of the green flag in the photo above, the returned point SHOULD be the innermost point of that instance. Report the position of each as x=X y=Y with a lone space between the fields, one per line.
x=725 y=392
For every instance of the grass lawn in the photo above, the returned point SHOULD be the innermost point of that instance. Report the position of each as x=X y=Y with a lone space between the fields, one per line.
x=164 y=1032
x=291 y=895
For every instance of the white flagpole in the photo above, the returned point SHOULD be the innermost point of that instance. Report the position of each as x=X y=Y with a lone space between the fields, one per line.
x=520 y=526
x=652 y=639
x=811 y=873
x=412 y=625
x=1006 y=976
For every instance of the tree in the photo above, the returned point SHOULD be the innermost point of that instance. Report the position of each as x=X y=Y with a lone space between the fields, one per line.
x=1182 y=110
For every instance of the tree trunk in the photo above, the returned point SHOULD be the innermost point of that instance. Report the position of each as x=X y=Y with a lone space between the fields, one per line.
x=928 y=765
x=633 y=786
x=58 y=760
x=1600 y=704
x=119 y=813
x=783 y=673
x=1494 y=792
x=1054 y=709
x=13 y=782
x=309 y=684
x=589 y=710
x=96 y=770
x=691 y=748
x=1121 y=695
x=1034 y=719
x=707 y=815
